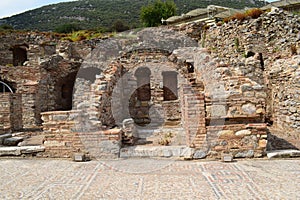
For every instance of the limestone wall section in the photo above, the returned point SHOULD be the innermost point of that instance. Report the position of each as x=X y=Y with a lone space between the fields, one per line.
x=284 y=101
x=265 y=50
x=240 y=140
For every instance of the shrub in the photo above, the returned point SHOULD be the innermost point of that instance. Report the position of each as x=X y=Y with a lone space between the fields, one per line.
x=227 y=19
x=239 y=16
x=254 y=13
x=67 y=28
x=6 y=27
x=119 y=26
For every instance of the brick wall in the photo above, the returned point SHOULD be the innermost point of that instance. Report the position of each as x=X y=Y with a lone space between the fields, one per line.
x=10 y=112
x=63 y=140
x=193 y=116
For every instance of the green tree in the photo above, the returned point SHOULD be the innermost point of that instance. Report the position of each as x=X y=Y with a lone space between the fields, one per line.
x=152 y=14
x=119 y=26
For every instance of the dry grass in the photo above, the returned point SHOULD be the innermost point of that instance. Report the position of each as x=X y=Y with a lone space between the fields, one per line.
x=293 y=49
x=252 y=13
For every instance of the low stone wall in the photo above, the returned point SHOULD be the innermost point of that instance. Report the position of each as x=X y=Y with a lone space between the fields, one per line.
x=241 y=140
x=63 y=140
x=10 y=112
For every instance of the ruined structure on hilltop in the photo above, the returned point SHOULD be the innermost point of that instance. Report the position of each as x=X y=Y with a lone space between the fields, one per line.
x=157 y=92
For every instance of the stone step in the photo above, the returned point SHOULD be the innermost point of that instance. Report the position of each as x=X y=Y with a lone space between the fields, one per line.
x=288 y=153
x=35 y=140
x=18 y=151
x=156 y=151
x=12 y=141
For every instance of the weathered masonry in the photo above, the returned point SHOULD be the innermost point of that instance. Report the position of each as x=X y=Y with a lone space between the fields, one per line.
x=160 y=83
x=155 y=92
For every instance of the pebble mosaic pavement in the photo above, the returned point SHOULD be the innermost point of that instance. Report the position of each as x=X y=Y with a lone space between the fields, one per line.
x=149 y=179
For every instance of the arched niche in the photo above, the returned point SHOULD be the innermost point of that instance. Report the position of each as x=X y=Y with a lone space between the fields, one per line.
x=142 y=75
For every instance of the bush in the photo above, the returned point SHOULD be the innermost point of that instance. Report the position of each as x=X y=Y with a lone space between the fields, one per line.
x=6 y=27
x=119 y=26
x=67 y=28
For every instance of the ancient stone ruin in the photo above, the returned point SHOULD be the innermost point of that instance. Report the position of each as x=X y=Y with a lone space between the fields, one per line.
x=231 y=89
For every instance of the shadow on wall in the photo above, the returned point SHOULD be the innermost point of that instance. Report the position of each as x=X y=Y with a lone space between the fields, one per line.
x=6 y=87
x=276 y=143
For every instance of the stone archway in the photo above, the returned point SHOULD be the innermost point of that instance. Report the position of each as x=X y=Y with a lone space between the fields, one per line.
x=95 y=100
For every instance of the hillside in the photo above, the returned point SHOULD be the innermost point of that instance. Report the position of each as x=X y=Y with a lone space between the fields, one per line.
x=89 y=14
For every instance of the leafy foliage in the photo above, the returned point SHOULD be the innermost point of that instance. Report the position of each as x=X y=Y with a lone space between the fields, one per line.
x=152 y=14
x=119 y=26
x=102 y=14
x=6 y=27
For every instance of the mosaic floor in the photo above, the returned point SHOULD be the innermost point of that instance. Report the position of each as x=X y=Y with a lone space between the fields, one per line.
x=149 y=179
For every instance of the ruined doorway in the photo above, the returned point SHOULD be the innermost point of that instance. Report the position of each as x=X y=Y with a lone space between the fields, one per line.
x=170 y=85
x=64 y=92
x=19 y=54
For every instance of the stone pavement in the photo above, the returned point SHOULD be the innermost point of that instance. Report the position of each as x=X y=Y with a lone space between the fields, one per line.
x=149 y=179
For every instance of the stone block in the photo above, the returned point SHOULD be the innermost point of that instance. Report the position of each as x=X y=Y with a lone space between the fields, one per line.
x=260 y=94
x=218 y=110
x=262 y=143
x=167 y=153
x=243 y=133
x=260 y=111
x=225 y=133
x=80 y=157
x=244 y=154
x=249 y=109
x=54 y=143
x=227 y=157
x=188 y=153
x=199 y=154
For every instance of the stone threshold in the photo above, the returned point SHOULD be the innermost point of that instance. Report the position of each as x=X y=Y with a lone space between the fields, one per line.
x=287 y=153
x=18 y=151
x=143 y=151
